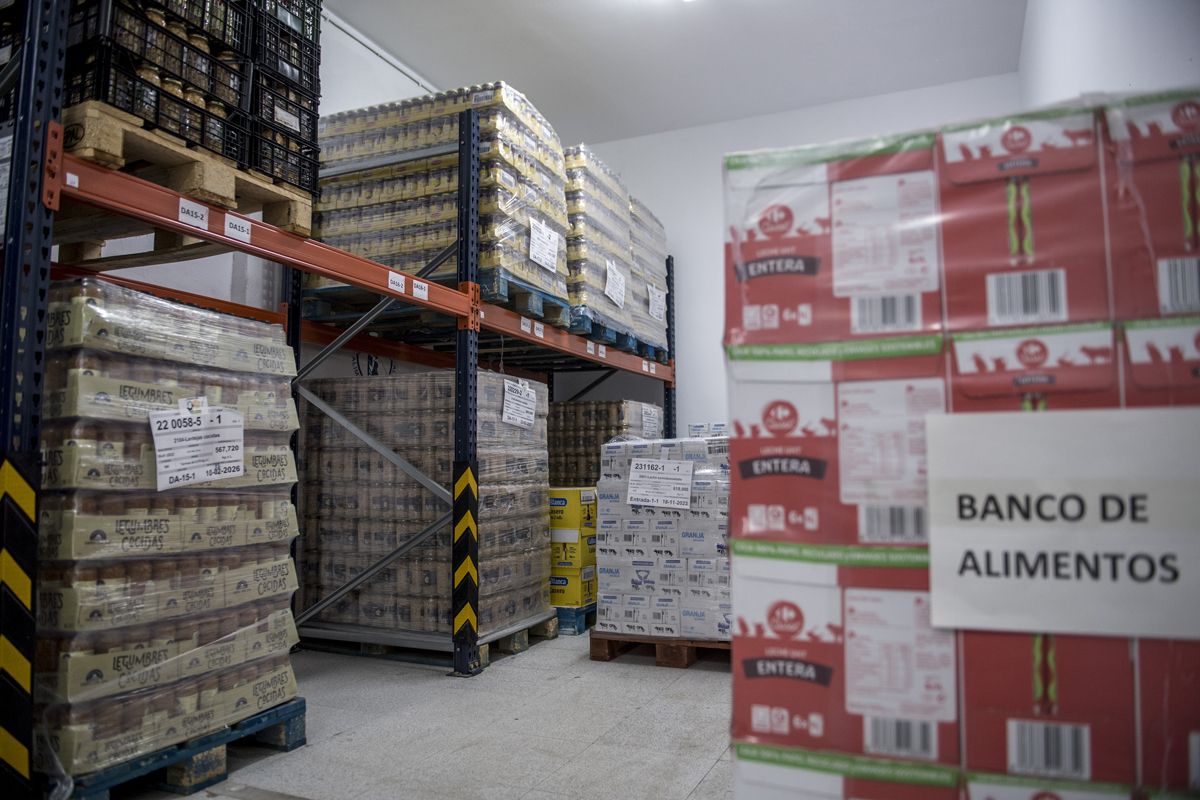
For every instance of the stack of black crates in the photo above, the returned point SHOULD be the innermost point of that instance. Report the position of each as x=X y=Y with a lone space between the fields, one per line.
x=240 y=78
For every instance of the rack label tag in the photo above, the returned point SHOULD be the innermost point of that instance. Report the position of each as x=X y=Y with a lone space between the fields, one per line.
x=539 y=330
x=420 y=289
x=603 y=351
x=666 y=484
x=396 y=282
x=237 y=228
x=193 y=213
x=591 y=348
x=520 y=404
x=526 y=324
x=195 y=443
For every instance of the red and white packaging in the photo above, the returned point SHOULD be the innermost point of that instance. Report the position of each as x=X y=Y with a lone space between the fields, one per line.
x=1048 y=707
x=778 y=773
x=832 y=243
x=1153 y=181
x=1169 y=706
x=1162 y=362
x=840 y=659
x=833 y=452
x=1023 y=221
x=997 y=787
x=1055 y=367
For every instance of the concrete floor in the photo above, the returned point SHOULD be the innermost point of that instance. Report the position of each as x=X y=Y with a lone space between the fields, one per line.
x=547 y=723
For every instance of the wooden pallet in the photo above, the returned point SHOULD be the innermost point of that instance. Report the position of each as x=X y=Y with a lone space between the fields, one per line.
x=679 y=653
x=113 y=138
x=501 y=287
x=576 y=621
x=518 y=642
x=189 y=767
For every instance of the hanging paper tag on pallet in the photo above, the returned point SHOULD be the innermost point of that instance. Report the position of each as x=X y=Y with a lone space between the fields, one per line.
x=658 y=302
x=667 y=484
x=543 y=244
x=195 y=443
x=520 y=404
x=614 y=284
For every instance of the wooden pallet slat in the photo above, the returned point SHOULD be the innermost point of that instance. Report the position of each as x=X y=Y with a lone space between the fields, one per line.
x=676 y=653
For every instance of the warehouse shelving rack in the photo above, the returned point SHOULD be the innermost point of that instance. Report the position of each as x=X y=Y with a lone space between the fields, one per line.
x=42 y=178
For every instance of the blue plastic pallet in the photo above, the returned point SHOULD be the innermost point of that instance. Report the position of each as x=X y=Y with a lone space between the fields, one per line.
x=201 y=761
x=501 y=287
x=576 y=621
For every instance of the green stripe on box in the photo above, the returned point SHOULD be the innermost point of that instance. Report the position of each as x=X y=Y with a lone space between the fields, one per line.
x=875 y=769
x=1168 y=322
x=835 y=554
x=893 y=347
x=1145 y=100
x=1045 y=330
x=821 y=154
x=1153 y=795
x=1050 y=783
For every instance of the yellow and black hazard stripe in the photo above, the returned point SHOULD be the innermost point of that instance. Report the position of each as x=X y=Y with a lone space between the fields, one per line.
x=18 y=557
x=465 y=567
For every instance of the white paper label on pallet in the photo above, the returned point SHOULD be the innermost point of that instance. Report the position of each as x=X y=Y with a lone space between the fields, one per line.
x=193 y=213
x=526 y=324
x=539 y=330
x=287 y=119
x=591 y=348
x=195 y=443
x=602 y=351
x=420 y=289
x=667 y=484
x=651 y=422
x=6 y=147
x=543 y=244
x=658 y=302
x=520 y=405
x=614 y=284
x=396 y=282
x=1080 y=522
x=237 y=228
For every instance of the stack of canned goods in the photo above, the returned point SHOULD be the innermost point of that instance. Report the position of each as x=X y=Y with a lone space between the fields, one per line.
x=579 y=429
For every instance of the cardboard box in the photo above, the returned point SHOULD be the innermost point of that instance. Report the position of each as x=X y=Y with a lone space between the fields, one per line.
x=766 y=772
x=1162 y=362
x=1049 y=707
x=981 y=786
x=1023 y=231
x=1169 y=712
x=627 y=576
x=706 y=620
x=842 y=658
x=572 y=527
x=572 y=588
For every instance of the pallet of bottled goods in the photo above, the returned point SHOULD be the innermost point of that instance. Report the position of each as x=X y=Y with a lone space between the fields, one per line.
x=1033 y=263
x=163 y=615
x=578 y=430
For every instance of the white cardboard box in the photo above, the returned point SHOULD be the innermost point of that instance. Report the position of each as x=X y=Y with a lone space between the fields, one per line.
x=705 y=621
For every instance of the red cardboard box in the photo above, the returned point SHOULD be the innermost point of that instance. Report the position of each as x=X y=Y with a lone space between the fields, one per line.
x=1153 y=177
x=1023 y=221
x=1055 y=367
x=1162 y=362
x=832 y=243
x=1169 y=700
x=1048 y=707
x=835 y=658
x=1001 y=787
x=779 y=773
x=833 y=452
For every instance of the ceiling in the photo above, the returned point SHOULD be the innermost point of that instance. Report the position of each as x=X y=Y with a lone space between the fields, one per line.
x=611 y=69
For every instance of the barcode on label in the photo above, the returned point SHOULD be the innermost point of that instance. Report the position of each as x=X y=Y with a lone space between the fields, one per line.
x=900 y=737
x=1049 y=749
x=1178 y=285
x=890 y=524
x=900 y=312
x=1023 y=297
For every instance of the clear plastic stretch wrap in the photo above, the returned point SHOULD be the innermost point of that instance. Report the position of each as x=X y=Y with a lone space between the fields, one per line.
x=601 y=279
x=648 y=242
x=358 y=506
x=663 y=570
x=579 y=429
x=162 y=615
x=403 y=215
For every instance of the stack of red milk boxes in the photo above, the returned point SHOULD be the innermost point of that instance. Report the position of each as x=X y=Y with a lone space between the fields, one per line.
x=1041 y=262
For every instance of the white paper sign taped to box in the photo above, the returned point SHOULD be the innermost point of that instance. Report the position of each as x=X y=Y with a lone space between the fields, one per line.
x=520 y=405
x=666 y=484
x=1066 y=522
x=195 y=443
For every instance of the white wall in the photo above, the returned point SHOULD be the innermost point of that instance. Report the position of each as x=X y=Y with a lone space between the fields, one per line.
x=1071 y=47
x=678 y=174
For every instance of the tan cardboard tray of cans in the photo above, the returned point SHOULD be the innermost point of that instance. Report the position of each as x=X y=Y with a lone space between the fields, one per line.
x=579 y=429
x=103 y=316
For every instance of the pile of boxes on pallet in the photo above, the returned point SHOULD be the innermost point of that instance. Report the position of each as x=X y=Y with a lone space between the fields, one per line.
x=1059 y=249
x=185 y=66
x=358 y=506
x=162 y=615
x=662 y=559
x=578 y=429
x=572 y=547
x=405 y=214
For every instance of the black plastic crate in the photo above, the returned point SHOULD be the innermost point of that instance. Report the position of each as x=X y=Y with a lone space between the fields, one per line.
x=102 y=72
x=280 y=103
x=226 y=21
x=302 y=16
x=283 y=52
x=225 y=78
x=282 y=155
